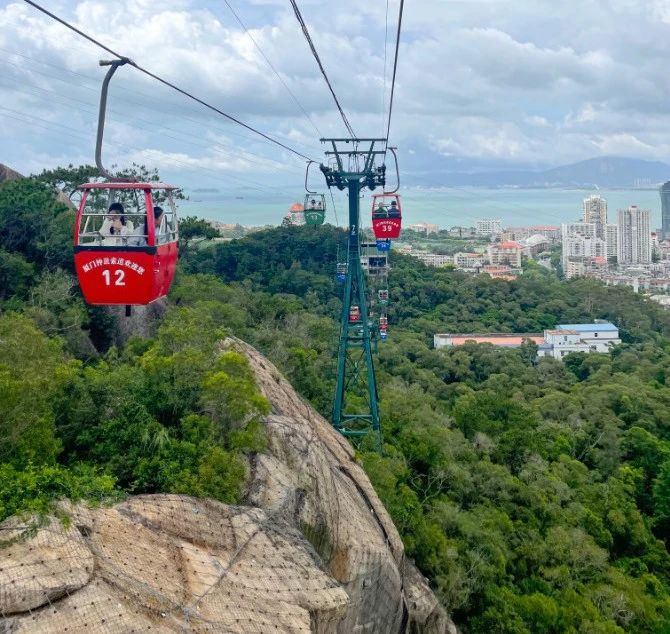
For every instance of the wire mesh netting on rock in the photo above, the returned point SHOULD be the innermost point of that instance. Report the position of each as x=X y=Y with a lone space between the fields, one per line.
x=312 y=551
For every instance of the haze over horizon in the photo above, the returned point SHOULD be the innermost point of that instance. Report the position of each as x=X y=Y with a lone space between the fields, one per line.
x=489 y=83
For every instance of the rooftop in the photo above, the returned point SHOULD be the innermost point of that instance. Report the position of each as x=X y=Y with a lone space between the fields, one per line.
x=497 y=339
x=603 y=327
x=126 y=185
x=508 y=245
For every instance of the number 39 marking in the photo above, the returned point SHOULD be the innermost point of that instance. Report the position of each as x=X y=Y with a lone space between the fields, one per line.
x=119 y=274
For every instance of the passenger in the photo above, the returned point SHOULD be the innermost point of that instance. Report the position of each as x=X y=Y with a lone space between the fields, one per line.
x=312 y=204
x=319 y=206
x=115 y=227
x=394 y=212
x=160 y=229
x=381 y=211
x=160 y=225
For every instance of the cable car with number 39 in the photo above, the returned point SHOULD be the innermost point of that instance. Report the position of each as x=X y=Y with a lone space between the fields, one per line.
x=387 y=213
x=386 y=216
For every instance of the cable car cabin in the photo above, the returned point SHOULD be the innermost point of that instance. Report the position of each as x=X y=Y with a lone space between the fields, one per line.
x=354 y=314
x=315 y=209
x=383 y=323
x=386 y=216
x=341 y=272
x=384 y=245
x=383 y=335
x=383 y=296
x=125 y=242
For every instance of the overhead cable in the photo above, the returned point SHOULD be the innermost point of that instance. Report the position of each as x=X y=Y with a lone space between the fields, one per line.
x=46 y=124
x=332 y=198
x=164 y=81
x=120 y=97
x=305 y=31
x=386 y=37
x=395 y=67
x=271 y=65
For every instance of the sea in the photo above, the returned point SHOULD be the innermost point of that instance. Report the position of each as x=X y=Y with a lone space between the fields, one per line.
x=445 y=207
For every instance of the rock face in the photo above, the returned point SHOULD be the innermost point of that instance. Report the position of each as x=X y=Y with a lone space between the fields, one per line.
x=8 y=174
x=312 y=551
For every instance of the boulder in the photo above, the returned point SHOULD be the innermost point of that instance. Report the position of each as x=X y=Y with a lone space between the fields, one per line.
x=311 y=550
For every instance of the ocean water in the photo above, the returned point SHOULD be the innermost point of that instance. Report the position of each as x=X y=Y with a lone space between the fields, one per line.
x=445 y=207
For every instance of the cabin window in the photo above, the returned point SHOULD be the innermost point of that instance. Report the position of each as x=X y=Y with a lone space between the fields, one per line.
x=101 y=226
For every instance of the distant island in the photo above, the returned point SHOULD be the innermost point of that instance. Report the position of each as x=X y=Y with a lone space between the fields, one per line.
x=605 y=172
x=207 y=190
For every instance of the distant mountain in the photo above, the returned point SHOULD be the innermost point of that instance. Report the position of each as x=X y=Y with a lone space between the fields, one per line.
x=604 y=172
x=609 y=171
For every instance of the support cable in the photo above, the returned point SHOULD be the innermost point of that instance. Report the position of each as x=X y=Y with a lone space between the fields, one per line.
x=298 y=15
x=50 y=125
x=164 y=81
x=386 y=37
x=271 y=65
x=96 y=90
x=332 y=198
x=395 y=67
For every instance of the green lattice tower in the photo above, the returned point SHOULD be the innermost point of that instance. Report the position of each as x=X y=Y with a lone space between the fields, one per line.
x=356 y=406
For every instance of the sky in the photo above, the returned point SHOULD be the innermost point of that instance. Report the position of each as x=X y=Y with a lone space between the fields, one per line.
x=481 y=83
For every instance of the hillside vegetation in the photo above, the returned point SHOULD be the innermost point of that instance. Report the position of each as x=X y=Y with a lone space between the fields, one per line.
x=534 y=496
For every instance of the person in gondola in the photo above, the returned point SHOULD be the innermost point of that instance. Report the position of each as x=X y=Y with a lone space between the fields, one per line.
x=380 y=211
x=115 y=228
x=160 y=223
x=312 y=204
x=161 y=231
x=319 y=206
x=394 y=211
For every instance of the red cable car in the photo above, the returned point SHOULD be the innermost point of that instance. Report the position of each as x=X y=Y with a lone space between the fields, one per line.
x=387 y=212
x=126 y=251
x=386 y=216
x=125 y=237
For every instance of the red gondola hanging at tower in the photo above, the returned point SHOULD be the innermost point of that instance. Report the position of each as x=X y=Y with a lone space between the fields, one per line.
x=387 y=212
x=126 y=233
x=386 y=216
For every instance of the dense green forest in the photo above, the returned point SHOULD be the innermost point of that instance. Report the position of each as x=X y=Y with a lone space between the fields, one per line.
x=535 y=496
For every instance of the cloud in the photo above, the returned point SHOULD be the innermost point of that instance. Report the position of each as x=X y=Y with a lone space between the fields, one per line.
x=495 y=80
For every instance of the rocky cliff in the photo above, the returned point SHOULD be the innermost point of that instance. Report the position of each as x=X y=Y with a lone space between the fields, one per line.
x=8 y=174
x=313 y=550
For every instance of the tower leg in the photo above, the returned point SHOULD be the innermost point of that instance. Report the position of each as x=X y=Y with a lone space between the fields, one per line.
x=355 y=349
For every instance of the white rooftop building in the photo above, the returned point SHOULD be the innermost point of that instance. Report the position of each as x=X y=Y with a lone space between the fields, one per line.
x=599 y=336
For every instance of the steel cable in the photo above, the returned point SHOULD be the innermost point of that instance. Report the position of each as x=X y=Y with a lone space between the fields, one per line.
x=164 y=81
x=305 y=31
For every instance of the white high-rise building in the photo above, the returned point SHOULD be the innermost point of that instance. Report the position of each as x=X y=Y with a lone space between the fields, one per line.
x=595 y=211
x=579 y=243
x=634 y=236
x=612 y=240
x=489 y=227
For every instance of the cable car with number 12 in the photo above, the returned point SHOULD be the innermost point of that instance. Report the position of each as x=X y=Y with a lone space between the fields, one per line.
x=126 y=250
x=126 y=235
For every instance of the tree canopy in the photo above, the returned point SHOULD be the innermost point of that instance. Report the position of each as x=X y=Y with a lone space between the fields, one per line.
x=535 y=496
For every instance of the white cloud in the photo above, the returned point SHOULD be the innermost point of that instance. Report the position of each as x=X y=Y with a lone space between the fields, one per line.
x=494 y=80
